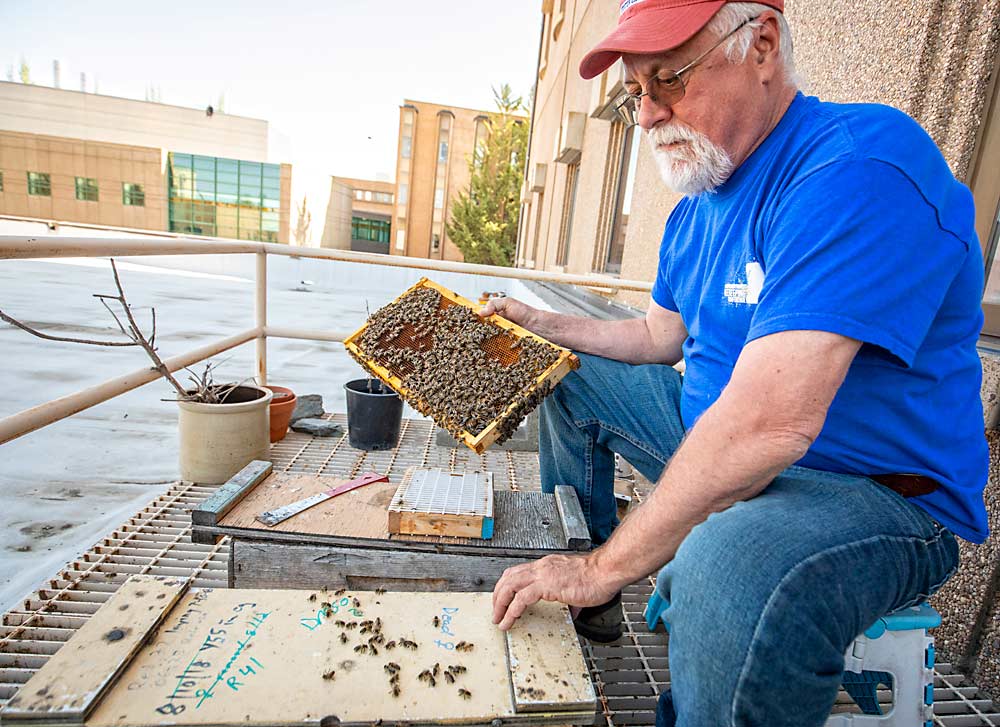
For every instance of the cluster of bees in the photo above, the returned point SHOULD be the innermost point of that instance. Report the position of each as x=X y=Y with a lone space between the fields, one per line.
x=459 y=369
x=373 y=640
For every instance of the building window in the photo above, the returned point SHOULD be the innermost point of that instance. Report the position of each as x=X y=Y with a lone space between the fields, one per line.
x=438 y=198
x=383 y=197
x=359 y=195
x=400 y=239
x=39 y=184
x=623 y=202
x=368 y=196
x=404 y=190
x=435 y=243
x=224 y=197
x=407 y=147
x=371 y=230
x=86 y=189
x=443 y=151
x=133 y=195
x=569 y=206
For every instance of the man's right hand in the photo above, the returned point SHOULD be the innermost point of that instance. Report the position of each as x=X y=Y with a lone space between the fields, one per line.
x=513 y=310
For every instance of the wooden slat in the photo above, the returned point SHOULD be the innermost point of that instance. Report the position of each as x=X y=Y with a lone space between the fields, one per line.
x=284 y=565
x=571 y=516
x=229 y=495
x=71 y=683
x=542 y=678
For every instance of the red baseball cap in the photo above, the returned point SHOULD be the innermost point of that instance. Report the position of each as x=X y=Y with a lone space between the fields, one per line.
x=654 y=26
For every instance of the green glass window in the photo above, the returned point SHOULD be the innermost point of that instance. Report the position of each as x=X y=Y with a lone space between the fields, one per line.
x=372 y=230
x=133 y=195
x=86 y=189
x=39 y=184
x=224 y=197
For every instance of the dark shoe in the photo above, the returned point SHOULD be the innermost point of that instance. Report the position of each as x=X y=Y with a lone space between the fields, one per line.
x=603 y=623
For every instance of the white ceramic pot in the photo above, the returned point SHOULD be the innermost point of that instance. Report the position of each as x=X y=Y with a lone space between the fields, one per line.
x=218 y=440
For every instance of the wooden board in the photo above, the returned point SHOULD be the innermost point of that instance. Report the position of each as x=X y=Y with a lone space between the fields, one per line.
x=69 y=685
x=257 y=564
x=523 y=520
x=545 y=672
x=258 y=657
x=229 y=495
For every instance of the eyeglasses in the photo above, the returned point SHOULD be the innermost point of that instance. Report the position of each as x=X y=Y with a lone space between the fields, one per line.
x=666 y=87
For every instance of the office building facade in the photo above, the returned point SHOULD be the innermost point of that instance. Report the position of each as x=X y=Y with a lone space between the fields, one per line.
x=359 y=215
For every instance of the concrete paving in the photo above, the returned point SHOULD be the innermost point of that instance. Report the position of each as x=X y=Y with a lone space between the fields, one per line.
x=67 y=485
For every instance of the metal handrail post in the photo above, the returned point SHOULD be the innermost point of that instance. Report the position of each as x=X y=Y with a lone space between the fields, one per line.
x=260 y=316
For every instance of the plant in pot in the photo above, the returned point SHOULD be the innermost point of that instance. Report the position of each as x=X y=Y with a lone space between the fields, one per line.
x=221 y=427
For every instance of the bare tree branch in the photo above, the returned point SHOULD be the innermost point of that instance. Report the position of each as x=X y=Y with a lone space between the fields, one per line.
x=115 y=316
x=65 y=339
x=157 y=361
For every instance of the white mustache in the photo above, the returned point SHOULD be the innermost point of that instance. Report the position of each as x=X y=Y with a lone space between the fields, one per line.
x=664 y=135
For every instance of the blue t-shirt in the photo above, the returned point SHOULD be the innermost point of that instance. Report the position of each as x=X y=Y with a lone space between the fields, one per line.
x=846 y=219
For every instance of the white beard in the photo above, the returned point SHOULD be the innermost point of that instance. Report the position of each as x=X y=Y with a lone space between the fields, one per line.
x=694 y=166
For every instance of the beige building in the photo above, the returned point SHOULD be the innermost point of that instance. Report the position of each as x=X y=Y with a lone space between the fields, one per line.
x=594 y=202
x=92 y=117
x=98 y=183
x=359 y=215
x=432 y=166
x=80 y=157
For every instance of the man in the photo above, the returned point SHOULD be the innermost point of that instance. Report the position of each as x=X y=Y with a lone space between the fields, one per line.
x=822 y=281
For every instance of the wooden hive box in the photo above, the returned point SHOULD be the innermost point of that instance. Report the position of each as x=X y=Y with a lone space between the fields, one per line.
x=498 y=348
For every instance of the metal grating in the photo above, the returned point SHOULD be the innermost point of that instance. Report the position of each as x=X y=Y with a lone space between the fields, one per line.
x=627 y=675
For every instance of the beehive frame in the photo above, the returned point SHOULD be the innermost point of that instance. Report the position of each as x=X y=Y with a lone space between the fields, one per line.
x=478 y=443
x=432 y=501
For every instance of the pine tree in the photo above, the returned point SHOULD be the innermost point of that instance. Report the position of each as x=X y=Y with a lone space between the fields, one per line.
x=484 y=220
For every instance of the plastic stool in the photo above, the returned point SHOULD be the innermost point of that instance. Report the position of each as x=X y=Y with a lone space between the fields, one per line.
x=896 y=651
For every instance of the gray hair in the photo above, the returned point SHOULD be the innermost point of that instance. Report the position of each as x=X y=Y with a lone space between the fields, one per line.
x=731 y=15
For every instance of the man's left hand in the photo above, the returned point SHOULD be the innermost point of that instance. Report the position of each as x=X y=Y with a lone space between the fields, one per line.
x=569 y=579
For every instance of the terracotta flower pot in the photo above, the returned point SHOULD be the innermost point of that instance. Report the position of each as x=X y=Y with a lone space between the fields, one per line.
x=282 y=406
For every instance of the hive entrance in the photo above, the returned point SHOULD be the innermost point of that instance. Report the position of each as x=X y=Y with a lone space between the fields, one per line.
x=475 y=377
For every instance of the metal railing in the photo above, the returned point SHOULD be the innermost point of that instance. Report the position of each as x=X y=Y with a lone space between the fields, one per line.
x=38 y=247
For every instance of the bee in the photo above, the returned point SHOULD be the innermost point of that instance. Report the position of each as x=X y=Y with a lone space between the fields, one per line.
x=391 y=668
x=395 y=691
x=351 y=625
x=424 y=675
x=343 y=637
x=329 y=675
x=464 y=646
x=339 y=592
x=394 y=679
x=367 y=623
x=379 y=592
x=407 y=644
x=437 y=670
x=357 y=603
x=376 y=639
x=390 y=645
x=372 y=649
x=378 y=624
x=339 y=624
x=465 y=694
x=312 y=597
x=457 y=669
x=324 y=605
x=436 y=621
x=449 y=677
x=361 y=648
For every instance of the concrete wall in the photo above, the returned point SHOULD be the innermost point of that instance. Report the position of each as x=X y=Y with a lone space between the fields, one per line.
x=91 y=117
x=64 y=160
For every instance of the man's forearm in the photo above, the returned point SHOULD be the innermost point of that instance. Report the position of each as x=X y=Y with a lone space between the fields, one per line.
x=627 y=340
x=720 y=463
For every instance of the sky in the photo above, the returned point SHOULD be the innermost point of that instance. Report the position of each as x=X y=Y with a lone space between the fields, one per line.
x=328 y=76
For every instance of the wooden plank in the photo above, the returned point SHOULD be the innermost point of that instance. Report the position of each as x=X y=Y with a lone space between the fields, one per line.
x=229 y=657
x=67 y=688
x=211 y=511
x=571 y=516
x=359 y=513
x=284 y=565
x=454 y=526
x=544 y=678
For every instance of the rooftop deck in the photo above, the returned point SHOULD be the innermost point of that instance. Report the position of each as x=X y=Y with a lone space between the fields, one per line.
x=628 y=675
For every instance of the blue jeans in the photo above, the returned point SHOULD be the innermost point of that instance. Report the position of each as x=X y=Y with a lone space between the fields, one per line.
x=765 y=596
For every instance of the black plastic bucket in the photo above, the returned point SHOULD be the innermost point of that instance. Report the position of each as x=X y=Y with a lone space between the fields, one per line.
x=373 y=417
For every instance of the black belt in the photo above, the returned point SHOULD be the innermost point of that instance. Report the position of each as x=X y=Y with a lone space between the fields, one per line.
x=907 y=485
